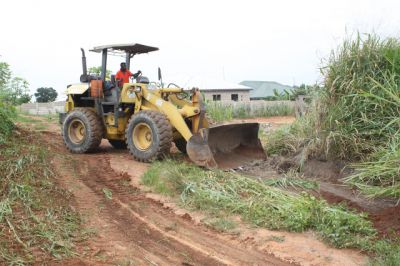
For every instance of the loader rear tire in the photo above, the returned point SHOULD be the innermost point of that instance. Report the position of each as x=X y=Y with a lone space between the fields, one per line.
x=82 y=130
x=118 y=144
x=149 y=136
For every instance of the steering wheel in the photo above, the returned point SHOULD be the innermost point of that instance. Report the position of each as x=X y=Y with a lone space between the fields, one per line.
x=139 y=75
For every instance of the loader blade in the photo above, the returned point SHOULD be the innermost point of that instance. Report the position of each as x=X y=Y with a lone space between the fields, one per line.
x=226 y=146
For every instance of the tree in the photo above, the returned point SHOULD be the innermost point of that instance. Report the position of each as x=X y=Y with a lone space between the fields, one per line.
x=97 y=71
x=13 y=90
x=18 y=91
x=45 y=95
x=5 y=75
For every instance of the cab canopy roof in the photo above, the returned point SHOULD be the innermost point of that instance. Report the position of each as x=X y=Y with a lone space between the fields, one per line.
x=121 y=49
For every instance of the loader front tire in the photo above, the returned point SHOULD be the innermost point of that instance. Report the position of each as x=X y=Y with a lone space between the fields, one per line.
x=149 y=136
x=82 y=130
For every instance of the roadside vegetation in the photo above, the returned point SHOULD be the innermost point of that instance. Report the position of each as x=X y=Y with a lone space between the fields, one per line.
x=280 y=104
x=292 y=94
x=258 y=203
x=7 y=113
x=220 y=112
x=37 y=223
x=355 y=118
x=266 y=204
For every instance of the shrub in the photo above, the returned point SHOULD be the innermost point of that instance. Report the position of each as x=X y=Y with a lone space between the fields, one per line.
x=7 y=113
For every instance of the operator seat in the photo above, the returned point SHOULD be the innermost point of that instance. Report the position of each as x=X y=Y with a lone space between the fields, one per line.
x=142 y=79
x=111 y=90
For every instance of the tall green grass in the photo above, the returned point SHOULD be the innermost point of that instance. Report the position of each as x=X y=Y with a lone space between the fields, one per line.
x=357 y=116
x=362 y=80
x=379 y=176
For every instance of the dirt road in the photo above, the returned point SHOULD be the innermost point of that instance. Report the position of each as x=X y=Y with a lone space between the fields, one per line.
x=134 y=227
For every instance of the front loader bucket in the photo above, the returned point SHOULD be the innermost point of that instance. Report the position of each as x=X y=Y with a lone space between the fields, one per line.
x=226 y=146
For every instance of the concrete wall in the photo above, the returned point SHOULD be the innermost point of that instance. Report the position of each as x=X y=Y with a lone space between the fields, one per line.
x=243 y=95
x=257 y=104
x=42 y=108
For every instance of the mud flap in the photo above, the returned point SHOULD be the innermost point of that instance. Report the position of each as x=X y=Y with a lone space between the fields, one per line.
x=226 y=146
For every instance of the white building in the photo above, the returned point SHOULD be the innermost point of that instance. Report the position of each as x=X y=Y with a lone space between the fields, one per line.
x=217 y=90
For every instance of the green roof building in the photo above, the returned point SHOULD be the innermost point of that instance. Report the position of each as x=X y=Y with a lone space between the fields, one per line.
x=262 y=89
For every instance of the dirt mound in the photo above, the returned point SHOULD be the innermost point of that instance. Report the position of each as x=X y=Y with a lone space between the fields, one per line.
x=387 y=221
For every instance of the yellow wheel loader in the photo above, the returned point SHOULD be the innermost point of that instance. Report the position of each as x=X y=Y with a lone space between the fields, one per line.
x=146 y=117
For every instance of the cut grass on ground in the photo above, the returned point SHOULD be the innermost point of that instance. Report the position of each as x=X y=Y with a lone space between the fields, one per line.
x=37 y=223
x=258 y=203
x=223 y=193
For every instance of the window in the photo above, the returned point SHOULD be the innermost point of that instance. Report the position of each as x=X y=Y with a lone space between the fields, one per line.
x=234 y=97
x=216 y=97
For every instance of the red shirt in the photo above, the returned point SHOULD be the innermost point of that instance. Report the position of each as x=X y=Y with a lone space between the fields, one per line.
x=124 y=76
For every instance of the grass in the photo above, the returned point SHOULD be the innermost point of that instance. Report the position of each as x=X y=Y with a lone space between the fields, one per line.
x=380 y=175
x=388 y=253
x=26 y=119
x=221 y=224
x=304 y=136
x=7 y=113
x=40 y=127
x=36 y=220
x=292 y=179
x=223 y=193
x=107 y=193
x=221 y=112
x=355 y=118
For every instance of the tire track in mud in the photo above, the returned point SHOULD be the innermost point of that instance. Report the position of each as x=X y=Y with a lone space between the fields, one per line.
x=135 y=228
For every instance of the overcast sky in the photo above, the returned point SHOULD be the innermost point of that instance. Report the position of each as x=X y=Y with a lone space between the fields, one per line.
x=281 y=41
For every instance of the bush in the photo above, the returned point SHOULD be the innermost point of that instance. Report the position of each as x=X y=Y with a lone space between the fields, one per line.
x=362 y=80
x=7 y=113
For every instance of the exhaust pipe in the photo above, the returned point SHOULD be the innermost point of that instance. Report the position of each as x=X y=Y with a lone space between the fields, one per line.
x=84 y=77
x=84 y=67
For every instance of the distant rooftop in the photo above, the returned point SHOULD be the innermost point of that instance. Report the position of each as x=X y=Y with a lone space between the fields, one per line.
x=263 y=89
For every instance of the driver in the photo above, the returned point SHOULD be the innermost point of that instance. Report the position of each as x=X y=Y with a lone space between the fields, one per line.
x=123 y=75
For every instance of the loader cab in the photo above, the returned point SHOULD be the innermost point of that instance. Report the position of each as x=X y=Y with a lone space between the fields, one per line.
x=97 y=91
x=99 y=85
x=128 y=51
